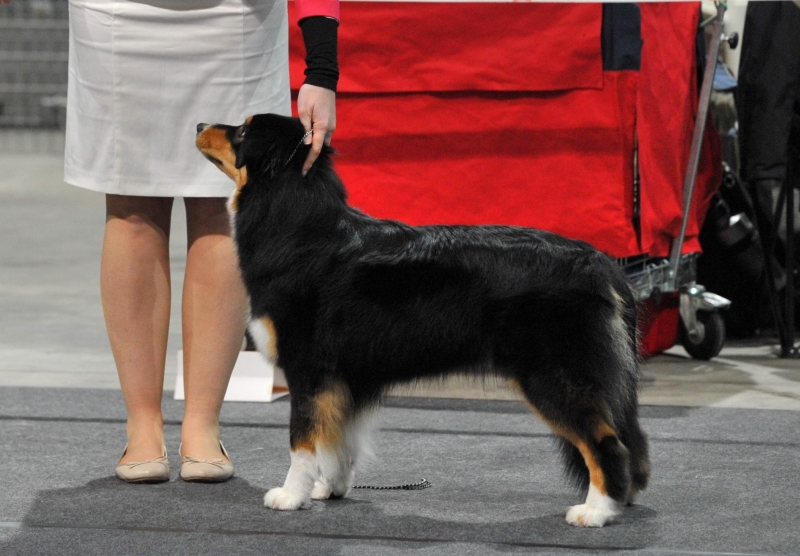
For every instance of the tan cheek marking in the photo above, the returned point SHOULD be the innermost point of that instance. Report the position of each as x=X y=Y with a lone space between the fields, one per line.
x=229 y=163
x=214 y=143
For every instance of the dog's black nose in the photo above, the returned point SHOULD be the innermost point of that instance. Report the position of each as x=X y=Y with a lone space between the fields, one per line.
x=201 y=127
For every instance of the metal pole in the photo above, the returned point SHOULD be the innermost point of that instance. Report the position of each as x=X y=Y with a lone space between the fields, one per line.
x=789 y=349
x=697 y=140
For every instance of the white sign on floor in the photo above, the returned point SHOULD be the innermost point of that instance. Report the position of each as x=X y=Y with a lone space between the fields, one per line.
x=252 y=380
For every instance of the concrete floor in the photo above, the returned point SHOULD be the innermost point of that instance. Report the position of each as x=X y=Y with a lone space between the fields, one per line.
x=51 y=322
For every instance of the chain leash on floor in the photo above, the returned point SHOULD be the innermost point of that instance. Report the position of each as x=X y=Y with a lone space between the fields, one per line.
x=422 y=484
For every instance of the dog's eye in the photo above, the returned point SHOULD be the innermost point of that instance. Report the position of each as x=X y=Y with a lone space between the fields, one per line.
x=239 y=134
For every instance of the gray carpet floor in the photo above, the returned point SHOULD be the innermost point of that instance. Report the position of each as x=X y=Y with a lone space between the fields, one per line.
x=724 y=481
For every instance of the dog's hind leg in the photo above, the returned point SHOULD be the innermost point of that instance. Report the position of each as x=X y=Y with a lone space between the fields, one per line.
x=318 y=430
x=593 y=452
x=296 y=490
x=608 y=462
x=635 y=440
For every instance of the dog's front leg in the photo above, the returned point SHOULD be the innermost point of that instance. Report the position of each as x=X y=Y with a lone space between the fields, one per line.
x=337 y=466
x=318 y=439
x=296 y=490
x=335 y=473
x=333 y=485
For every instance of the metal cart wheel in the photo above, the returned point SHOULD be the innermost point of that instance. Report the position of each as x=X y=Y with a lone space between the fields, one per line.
x=708 y=340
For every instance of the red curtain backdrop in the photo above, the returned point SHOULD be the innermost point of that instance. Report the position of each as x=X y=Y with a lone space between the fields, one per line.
x=500 y=113
x=666 y=108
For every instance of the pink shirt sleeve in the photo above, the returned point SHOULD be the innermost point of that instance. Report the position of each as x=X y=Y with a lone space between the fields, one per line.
x=307 y=8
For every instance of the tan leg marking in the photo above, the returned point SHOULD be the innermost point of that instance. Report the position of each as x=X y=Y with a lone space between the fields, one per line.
x=332 y=414
x=596 y=475
x=602 y=431
x=304 y=445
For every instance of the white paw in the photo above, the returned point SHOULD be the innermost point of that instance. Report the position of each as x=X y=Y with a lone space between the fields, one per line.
x=321 y=491
x=584 y=515
x=283 y=499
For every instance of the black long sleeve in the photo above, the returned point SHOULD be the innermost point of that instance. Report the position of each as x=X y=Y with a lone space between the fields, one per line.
x=320 y=35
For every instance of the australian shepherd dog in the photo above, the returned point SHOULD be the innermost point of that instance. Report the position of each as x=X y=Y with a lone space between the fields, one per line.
x=348 y=305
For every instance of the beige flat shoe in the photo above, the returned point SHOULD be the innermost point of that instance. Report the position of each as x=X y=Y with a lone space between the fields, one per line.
x=206 y=471
x=150 y=471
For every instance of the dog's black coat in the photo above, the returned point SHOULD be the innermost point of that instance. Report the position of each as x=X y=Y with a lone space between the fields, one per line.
x=367 y=303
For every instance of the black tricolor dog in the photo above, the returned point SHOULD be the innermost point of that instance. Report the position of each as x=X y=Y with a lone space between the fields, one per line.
x=348 y=305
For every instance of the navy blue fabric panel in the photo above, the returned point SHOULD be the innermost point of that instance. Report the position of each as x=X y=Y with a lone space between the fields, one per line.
x=621 y=37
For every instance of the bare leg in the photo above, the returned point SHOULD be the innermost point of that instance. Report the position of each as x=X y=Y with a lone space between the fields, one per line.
x=214 y=320
x=135 y=292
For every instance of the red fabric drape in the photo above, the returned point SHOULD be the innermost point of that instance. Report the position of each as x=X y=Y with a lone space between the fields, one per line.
x=500 y=113
x=666 y=109
x=396 y=47
x=496 y=158
x=444 y=119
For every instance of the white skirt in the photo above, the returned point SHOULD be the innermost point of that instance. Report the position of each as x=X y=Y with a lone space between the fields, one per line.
x=144 y=73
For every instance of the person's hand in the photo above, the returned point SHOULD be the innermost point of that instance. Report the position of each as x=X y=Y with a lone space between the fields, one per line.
x=316 y=107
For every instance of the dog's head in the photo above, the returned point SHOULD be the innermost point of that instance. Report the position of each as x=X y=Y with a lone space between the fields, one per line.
x=258 y=149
